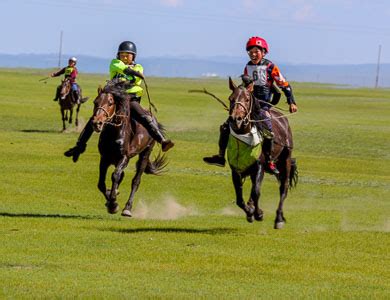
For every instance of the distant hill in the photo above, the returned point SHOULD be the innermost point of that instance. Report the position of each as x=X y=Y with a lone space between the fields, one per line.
x=356 y=75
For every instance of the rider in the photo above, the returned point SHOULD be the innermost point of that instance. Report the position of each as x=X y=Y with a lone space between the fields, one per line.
x=124 y=67
x=264 y=74
x=70 y=72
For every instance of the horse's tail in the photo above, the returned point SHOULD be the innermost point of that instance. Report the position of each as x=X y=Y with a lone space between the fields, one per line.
x=293 y=173
x=156 y=166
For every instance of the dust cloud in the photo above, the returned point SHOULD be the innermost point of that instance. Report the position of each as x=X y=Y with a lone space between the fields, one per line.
x=167 y=209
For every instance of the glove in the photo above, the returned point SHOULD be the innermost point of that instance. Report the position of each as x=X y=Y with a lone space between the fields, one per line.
x=130 y=71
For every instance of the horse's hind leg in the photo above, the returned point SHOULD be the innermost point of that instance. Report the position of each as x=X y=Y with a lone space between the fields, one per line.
x=284 y=168
x=248 y=209
x=257 y=178
x=77 y=115
x=116 y=178
x=142 y=162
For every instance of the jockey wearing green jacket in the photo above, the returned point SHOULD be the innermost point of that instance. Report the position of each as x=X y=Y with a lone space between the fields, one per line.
x=123 y=66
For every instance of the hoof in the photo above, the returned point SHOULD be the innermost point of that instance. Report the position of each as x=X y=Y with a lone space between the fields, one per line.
x=112 y=208
x=249 y=219
x=279 y=225
x=259 y=217
x=126 y=213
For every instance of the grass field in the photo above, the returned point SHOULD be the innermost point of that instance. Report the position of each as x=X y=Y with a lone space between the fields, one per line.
x=188 y=239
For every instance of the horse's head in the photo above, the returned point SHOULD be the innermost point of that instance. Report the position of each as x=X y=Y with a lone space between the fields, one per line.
x=65 y=88
x=240 y=105
x=104 y=109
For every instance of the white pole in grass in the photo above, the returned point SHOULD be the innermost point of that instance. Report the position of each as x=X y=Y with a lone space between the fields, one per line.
x=377 y=67
x=60 y=50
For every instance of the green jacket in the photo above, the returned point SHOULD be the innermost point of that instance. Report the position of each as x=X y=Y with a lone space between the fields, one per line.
x=116 y=71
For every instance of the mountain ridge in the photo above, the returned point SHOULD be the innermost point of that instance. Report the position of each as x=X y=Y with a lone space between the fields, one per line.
x=194 y=67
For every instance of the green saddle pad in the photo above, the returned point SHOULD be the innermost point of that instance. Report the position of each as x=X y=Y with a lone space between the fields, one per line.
x=243 y=151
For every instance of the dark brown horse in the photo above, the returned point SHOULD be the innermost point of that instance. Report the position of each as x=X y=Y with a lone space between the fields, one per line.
x=120 y=140
x=241 y=123
x=67 y=103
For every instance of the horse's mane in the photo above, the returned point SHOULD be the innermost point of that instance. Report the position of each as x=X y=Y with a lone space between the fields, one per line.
x=118 y=89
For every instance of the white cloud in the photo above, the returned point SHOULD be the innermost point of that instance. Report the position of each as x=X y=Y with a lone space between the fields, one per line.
x=171 y=3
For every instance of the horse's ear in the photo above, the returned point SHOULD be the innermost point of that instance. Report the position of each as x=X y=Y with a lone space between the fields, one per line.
x=232 y=86
x=100 y=89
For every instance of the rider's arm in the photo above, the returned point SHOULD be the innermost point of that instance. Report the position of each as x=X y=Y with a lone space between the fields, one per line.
x=132 y=72
x=283 y=84
x=117 y=66
x=58 y=73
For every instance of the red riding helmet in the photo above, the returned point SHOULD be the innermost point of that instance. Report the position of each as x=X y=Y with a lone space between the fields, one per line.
x=256 y=41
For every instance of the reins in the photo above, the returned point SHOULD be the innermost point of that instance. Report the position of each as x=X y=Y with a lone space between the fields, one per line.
x=150 y=102
x=110 y=118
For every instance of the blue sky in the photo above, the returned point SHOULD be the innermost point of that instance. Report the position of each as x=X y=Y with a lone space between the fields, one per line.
x=298 y=31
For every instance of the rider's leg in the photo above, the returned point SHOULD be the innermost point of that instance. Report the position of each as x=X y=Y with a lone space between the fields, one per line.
x=268 y=135
x=75 y=93
x=57 y=93
x=81 y=144
x=151 y=125
x=219 y=159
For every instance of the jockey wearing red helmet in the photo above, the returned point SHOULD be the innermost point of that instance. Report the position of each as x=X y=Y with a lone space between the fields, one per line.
x=263 y=73
x=256 y=41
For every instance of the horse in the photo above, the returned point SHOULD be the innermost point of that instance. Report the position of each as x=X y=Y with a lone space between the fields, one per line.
x=241 y=123
x=120 y=140
x=67 y=103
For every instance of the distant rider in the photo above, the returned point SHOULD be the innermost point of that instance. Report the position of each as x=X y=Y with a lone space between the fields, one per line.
x=124 y=67
x=264 y=74
x=70 y=72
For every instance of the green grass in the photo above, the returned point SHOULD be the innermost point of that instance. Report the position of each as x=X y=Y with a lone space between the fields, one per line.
x=188 y=239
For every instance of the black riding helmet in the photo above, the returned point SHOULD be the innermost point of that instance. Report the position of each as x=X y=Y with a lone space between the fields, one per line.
x=128 y=47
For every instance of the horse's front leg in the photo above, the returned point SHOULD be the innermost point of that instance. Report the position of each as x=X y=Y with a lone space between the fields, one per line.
x=77 y=115
x=103 y=167
x=116 y=178
x=71 y=115
x=284 y=173
x=248 y=209
x=256 y=179
x=63 y=119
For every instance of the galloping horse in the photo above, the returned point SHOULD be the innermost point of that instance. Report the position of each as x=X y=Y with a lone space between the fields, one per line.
x=241 y=101
x=120 y=140
x=67 y=103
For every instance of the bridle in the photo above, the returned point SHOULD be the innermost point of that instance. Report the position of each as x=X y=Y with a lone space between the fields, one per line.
x=110 y=119
x=248 y=111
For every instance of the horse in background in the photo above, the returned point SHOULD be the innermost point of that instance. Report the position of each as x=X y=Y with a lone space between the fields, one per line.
x=67 y=102
x=241 y=123
x=120 y=140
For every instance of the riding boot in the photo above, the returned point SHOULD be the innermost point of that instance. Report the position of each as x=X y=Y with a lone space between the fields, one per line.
x=57 y=94
x=151 y=125
x=76 y=97
x=267 y=150
x=81 y=144
x=219 y=159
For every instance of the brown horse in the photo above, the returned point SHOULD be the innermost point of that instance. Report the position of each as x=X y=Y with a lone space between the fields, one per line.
x=67 y=103
x=241 y=103
x=120 y=140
